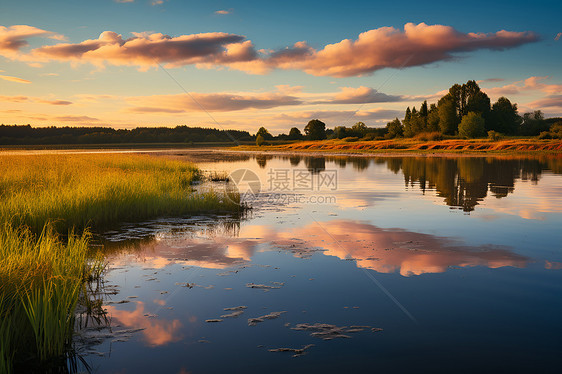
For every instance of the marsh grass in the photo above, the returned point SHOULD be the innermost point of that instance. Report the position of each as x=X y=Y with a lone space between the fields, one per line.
x=97 y=190
x=45 y=268
x=41 y=281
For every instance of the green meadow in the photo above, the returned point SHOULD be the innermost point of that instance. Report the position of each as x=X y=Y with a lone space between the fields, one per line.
x=49 y=204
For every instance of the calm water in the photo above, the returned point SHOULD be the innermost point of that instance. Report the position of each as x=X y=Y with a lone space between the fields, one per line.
x=407 y=264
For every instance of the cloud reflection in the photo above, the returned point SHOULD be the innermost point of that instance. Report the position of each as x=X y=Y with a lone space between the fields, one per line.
x=155 y=331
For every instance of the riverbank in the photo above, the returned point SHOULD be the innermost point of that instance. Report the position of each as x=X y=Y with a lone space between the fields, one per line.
x=398 y=146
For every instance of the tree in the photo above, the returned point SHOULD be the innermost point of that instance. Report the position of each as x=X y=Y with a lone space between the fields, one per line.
x=340 y=132
x=260 y=140
x=315 y=130
x=433 y=118
x=295 y=134
x=360 y=129
x=264 y=133
x=395 y=129
x=472 y=125
x=448 y=120
x=504 y=116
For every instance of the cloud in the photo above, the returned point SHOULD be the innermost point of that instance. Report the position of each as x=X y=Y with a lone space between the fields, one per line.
x=54 y=102
x=222 y=12
x=558 y=36
x=213 y=102
x=157 y=2
x=14 y=79
x=14 y=99
x=145 y=50
x=13 y=38
x=340 y=117
x=21 y=99
x=490 y=80
x=520 y=87
x=362 y=95
x=385 y=47
x=552 y=101
x=388 y=47
x=124 y=1
x=75 y=119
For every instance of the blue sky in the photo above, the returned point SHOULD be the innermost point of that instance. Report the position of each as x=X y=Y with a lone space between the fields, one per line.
x=109 y=90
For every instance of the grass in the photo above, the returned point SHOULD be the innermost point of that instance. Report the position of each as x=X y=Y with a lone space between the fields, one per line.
x=97 y=190
x=44 y=266
x=425 y=144
x=41 y=281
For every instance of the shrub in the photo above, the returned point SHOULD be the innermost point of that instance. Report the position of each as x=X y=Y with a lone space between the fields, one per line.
x=494 y=135
x=472 y=126
x=545 y=135
x=426 y=136
x=351 y=139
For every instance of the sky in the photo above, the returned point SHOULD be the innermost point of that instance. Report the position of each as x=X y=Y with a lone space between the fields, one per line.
x=247 y=64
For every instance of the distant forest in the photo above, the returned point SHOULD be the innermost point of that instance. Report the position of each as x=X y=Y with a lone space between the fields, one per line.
x=27 y=135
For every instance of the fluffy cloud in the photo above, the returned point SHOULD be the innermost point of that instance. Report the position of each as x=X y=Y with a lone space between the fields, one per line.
x=223 y=12
x=22 y=99
x=145 y=50
x=385 y=47
x=388 y=47
x=15 y=37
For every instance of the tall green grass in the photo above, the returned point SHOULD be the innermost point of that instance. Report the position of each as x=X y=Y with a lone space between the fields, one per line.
x=42 y=276
x=97 y=190
x=41 y=280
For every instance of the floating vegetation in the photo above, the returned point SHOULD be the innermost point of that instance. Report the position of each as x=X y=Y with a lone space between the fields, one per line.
x=326 y=331
x=213 y=320
x=266 y=287
x=272 y=315
x=296 y=351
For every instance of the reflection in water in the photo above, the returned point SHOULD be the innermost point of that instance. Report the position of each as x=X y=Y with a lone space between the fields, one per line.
x=390 y=250
x=382 y=250
x=155 y=331
x=462 y=181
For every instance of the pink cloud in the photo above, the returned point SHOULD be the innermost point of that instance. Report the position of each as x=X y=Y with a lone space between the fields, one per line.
x=15 y=37
x=14 y=79
x=385 y=47
x=146 y=50
x=362 y=95
x=214 y=102
x=388 y=47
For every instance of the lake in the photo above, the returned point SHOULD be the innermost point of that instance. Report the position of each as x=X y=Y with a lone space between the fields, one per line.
x=344 y=264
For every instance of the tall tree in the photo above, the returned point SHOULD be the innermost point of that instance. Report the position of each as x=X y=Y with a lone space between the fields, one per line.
x=448 y=119
x=315 y=130
x=264 y=133
x=295 y=134
x=504 y=116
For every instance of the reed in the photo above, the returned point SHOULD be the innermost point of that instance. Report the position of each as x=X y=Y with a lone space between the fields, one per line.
x=41 y=281
x=97 y=190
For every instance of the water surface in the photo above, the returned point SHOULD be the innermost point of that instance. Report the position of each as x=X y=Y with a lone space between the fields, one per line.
x=417 y=264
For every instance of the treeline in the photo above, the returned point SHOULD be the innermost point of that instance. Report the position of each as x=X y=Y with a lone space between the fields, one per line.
x=27 y=135
x=466 y=111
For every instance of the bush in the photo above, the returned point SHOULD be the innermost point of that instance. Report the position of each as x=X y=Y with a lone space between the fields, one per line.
x=472 y=126
x=351 y=139
x=494 y=135
x=426 y=136
x=545 y=135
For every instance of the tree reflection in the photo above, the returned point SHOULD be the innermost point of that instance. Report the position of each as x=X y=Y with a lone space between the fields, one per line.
x=465 y=181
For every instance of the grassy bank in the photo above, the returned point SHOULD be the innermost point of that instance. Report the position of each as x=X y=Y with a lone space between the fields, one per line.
x=97 y=190
x=43 y=273
x=417 y=146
